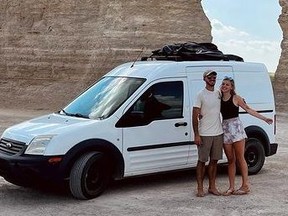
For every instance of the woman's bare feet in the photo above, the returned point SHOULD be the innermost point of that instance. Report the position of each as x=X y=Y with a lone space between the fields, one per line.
x=229 y=192
x=214 y=192
x=242 y=191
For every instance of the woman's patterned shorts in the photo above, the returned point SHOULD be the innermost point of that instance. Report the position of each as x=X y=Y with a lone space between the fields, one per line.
x=233 y=130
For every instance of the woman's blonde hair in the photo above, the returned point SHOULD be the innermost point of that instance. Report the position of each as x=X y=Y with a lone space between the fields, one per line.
x=231 y=80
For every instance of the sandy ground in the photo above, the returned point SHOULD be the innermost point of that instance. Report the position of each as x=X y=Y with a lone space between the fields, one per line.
x=166 y=194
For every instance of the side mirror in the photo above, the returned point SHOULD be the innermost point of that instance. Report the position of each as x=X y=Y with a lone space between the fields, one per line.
x=131 y=119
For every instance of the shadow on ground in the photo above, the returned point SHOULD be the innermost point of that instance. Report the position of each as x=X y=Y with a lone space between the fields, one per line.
x=43 y=191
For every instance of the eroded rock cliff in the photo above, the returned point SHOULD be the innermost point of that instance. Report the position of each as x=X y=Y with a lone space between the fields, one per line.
x=281 y=75
x=51 y=50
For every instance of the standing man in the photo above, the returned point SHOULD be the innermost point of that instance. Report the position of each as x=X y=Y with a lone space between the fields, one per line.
x=208 y=132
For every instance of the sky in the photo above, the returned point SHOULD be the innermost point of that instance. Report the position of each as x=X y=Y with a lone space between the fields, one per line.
x=248 y=28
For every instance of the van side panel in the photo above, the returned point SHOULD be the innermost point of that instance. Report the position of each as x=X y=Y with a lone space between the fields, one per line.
x=255 y=88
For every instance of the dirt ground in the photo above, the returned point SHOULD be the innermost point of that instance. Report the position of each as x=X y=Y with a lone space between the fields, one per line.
x=166 y=194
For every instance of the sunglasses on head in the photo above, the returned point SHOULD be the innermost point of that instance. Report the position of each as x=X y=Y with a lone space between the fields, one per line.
x=228 y=78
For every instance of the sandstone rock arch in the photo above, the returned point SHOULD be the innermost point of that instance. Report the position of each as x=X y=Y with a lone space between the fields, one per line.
x=51 y=50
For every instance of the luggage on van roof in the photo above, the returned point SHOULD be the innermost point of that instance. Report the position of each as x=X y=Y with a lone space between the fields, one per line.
x=191 y=51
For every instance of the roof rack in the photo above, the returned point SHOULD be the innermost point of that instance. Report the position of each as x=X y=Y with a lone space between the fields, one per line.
x=225 y=57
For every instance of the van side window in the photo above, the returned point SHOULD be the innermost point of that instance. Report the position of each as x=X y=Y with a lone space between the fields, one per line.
x=161 y=101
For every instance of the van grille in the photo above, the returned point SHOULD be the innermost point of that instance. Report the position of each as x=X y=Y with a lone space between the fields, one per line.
x=11 y=147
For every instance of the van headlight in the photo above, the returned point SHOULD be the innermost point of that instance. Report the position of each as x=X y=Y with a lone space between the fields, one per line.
x=38 y=145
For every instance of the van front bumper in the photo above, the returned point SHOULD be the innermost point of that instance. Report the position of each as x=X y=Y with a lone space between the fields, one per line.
x=29 y=168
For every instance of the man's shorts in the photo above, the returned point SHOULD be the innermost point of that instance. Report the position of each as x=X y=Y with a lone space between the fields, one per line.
x=211 y=146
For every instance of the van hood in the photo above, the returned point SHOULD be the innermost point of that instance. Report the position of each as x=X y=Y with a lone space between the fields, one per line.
x=50 y=124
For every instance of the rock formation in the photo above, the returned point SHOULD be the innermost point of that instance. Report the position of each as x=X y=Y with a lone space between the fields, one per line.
x=51 y=50
x=281 y=75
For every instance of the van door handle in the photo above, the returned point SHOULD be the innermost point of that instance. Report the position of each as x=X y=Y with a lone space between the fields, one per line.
x=178 y=124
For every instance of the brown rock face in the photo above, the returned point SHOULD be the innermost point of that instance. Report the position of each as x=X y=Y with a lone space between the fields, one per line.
x=51 y=50
x=281 y=75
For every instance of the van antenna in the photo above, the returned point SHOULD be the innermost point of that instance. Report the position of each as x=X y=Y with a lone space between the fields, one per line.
x=137 y=57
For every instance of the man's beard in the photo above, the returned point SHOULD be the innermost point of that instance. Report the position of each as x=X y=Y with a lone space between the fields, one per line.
x=211 y=85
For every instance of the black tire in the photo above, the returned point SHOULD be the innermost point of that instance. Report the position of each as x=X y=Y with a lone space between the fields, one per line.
x=89 y=176
x=254 y=155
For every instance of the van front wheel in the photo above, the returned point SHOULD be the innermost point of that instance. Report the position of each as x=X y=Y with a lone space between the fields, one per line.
x=89 y=176
x=254 y=155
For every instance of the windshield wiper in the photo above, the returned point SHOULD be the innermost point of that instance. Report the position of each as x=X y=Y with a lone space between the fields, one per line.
x=79 y=115
x=73 y=114
x=62 y=110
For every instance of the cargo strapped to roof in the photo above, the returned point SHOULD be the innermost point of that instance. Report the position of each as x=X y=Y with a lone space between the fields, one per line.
x=191 y=51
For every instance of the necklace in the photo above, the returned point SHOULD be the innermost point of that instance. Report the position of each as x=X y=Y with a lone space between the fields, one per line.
x=226 y=97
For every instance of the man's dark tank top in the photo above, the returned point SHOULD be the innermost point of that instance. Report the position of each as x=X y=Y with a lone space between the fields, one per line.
x=228 y=109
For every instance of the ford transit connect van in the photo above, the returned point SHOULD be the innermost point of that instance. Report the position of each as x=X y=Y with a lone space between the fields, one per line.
x=135 y=120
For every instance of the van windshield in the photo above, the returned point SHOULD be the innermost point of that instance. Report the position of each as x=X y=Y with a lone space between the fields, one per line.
x=103 y=98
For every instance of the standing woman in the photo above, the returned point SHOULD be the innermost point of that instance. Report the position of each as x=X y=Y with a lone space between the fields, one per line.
x=234 y=135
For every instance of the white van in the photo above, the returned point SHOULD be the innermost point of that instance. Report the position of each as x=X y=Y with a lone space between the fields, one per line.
x=135 y=120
